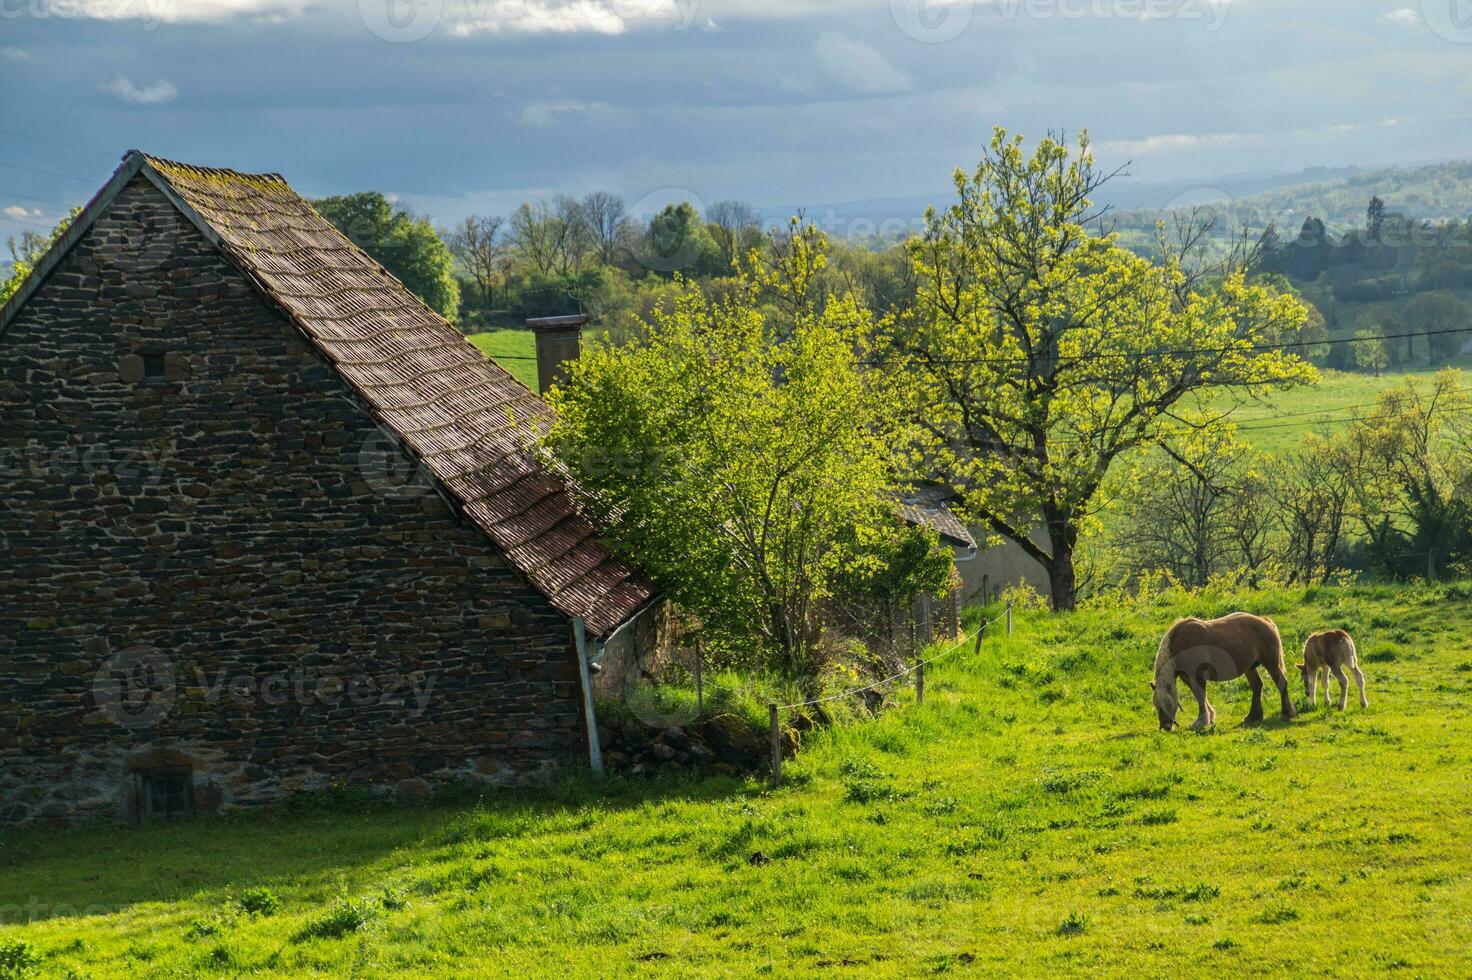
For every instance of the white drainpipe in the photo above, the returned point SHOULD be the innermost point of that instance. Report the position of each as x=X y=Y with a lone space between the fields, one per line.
x=595 y=751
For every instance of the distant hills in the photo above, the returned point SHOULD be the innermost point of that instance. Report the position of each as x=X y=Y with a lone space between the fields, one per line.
x=1336 y=195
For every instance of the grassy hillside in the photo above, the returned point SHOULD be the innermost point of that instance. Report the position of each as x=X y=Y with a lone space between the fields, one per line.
x=1278 y=422
x=1029 y=818
x=514 y=350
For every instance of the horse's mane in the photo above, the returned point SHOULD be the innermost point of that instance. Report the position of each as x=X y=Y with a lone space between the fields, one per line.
x=1165 y=658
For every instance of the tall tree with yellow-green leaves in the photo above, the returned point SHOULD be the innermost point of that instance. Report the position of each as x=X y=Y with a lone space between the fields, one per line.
x=1041 y=352
x=743 y=453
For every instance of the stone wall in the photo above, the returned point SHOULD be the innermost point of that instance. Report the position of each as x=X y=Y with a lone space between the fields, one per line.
x=215 y=562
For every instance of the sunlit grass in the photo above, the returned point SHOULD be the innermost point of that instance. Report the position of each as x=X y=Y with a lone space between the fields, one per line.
x=1027 y=819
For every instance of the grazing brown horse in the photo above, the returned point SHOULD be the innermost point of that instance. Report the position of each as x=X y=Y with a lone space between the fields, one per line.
x=1326 y=653
x=1223 y=649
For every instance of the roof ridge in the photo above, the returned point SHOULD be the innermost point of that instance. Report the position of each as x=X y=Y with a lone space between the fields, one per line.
x=165 y=164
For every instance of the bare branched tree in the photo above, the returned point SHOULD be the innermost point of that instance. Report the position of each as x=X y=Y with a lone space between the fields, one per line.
x=606 y=219
x=478 y=244
x=736 y=227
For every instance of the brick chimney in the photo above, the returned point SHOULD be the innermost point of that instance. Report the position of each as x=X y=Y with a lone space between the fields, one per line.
x=559 y=340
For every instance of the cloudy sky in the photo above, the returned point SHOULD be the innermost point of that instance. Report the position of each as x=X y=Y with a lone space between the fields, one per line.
x=474 y=105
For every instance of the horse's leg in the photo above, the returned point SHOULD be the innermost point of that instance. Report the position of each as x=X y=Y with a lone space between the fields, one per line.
x=1359 y=679
x=1275 y=671
x=1321 y=677
x=1203 y=717
x=1254 y=681
x=1343 y=686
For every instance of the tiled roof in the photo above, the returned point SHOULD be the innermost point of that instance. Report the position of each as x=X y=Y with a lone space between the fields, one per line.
x=468 y=421
x=923 y=511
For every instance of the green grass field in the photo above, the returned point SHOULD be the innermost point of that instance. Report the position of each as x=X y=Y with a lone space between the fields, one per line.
x=1279 y=422
x=1028 y=819
x=514 y=350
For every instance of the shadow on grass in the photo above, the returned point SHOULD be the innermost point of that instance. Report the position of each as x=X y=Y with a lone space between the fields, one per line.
x=105 y=868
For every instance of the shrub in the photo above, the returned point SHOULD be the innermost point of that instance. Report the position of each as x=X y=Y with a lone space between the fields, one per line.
x=18 y=958
x=258 y=901
x=347 y=915
x=1074 y=925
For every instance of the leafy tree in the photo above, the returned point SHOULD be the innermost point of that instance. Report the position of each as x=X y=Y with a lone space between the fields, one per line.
x=1369 y=352
x=736 y=228
x=1311 y=492
x=677 y=241
x=741 y=458
x=1442 y=315
x=1184 y=515
x=1375 y=218
x=1041 y=353
x=405 y=245
x=27 y=251
x=1413 y=458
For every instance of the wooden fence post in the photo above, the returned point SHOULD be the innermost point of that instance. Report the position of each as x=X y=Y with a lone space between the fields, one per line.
x=1009 y=619
x=920 y=682
x=776 y=747
x=979 y=633
x=699 y=682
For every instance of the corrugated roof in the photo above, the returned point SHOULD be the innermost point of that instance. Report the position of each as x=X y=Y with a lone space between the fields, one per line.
x=469 y=423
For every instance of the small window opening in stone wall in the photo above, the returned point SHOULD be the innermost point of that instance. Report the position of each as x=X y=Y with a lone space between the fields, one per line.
x=165 y=794
x=153 y=367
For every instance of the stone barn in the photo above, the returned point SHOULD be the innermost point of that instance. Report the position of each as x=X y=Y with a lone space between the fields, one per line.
x=270 y=524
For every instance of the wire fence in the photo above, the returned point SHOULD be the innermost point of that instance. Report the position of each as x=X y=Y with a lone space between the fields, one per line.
x=918 y=669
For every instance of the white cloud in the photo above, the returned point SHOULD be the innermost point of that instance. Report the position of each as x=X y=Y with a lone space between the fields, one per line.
x=543 y=115
x=556 y=16
x=21 y=214
x=15 y=54
x=1402 y=17
x=858 y=66
x=160 y=91
x=1168 y=142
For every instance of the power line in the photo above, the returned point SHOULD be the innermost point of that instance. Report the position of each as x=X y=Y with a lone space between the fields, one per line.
x=24 y=197
x=48 y=173
x=56 y=142
x=1188 y=351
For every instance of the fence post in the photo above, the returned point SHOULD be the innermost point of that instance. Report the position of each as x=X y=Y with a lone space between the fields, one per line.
x=776 y=746
x=979 y=633
x=1009 y=619
x=920 y=682
x=699 y=683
